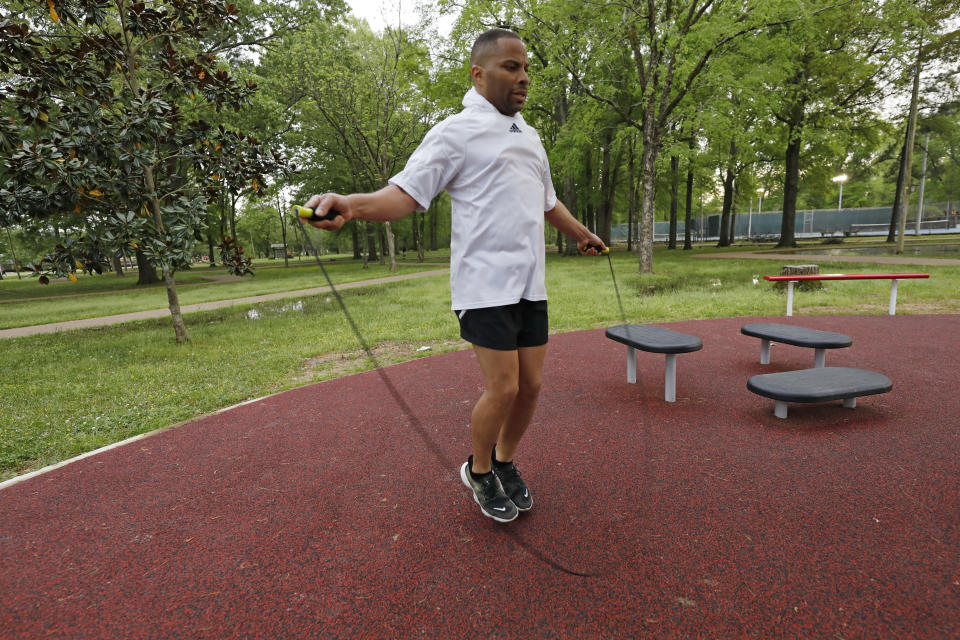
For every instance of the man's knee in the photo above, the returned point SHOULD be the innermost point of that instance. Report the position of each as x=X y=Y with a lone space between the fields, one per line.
x=529 y=388
x=503 y=390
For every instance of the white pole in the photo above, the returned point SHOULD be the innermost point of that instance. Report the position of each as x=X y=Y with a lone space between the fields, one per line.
x=840 y=199
x=750 y=218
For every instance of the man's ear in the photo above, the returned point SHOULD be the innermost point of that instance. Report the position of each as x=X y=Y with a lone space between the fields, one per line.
x=477 y=73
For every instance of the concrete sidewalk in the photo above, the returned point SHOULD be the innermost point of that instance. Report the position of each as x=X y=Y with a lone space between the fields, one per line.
x=53 y=327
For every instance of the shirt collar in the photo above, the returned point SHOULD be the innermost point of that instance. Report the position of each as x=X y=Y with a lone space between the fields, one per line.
x=473 y=99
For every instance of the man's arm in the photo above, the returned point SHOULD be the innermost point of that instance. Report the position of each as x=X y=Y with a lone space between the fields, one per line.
x=561 y=218
x=386 y=205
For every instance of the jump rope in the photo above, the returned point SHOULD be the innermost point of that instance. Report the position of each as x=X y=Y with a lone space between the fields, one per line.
x=306 y=213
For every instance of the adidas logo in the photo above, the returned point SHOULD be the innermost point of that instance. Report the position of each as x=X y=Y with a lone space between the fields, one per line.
x=514 y=128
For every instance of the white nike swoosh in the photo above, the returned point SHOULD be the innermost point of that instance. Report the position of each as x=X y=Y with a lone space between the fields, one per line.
x=499 y=508
x=525 y=493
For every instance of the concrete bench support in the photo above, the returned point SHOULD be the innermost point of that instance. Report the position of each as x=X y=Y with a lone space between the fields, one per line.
x=654 y=339
x=818 y=385
x=819 y=341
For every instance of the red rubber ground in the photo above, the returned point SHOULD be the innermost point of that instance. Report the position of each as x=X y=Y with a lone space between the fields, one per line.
x=321 y=513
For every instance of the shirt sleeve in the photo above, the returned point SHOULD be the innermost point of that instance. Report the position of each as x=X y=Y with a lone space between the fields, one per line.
x=549 y=193
x=430 y=169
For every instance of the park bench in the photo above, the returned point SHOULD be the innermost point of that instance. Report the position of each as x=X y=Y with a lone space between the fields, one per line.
x=820 y=341
x=653 y=339
x=893 y=277
x=818 y=385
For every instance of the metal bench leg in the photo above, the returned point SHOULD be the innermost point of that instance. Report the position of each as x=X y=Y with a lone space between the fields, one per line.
x=790 y=297
x=670 y=378
x=893 y=297
x=820 y=358
x=631 y=365
x=780 y=409
x=764 y=351
x=850 y=403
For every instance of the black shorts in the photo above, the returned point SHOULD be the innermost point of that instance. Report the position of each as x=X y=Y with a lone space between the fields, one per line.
x=506 y=328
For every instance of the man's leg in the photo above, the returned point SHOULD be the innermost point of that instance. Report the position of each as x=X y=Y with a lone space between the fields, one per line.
x=501 y=373
x=530 y=376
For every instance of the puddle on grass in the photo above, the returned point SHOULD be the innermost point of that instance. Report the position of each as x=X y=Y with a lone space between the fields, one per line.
x=260 y=312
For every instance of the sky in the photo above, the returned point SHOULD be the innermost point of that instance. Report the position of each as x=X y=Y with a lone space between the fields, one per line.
x=379 y=13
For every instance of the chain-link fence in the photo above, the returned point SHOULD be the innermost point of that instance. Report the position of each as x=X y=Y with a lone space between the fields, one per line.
x=938 y=217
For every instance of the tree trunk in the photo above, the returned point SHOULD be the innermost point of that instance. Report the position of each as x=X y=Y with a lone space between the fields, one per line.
x=674 y=197
x=570 y=200
x=179 y=328
x=117 y=266
x=725 y=232
x=895 y=212
x=371 y=253
x=908 y=156
x=391 y=246
x=791 y=184
x=421 y=237
x=732 y=231
x=233 y=219
x=210 y=254
x=649 y=167
x=688 y=219
x=146 y=272
x=357 y=244
x=632 y=195
x=608 y=187
x=283 y=235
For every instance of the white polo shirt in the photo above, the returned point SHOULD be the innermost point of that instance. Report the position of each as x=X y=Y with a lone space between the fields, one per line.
x=496 y=171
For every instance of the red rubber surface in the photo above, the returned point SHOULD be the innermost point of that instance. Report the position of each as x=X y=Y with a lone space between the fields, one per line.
x=320 y=513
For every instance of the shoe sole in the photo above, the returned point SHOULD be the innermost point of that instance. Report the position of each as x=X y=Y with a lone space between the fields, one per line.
x=466 y=482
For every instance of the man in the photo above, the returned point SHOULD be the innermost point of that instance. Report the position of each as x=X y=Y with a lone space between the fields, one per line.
x=495 y=169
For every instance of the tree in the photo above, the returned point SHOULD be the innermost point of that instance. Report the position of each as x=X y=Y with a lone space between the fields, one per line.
x=361 y=104
x=645 y=61
x=110 y=101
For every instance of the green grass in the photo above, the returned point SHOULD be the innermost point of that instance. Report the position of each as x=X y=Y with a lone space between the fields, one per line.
x=64 y=394
x=27 y=302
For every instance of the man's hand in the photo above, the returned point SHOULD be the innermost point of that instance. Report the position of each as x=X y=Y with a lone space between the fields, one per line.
x=322 y=204
x=592 y=245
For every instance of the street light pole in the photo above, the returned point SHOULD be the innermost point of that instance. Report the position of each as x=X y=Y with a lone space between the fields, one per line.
x=841 y=179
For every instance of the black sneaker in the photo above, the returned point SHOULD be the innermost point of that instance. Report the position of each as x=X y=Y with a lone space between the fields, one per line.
x=487 y=492
x=513 y=485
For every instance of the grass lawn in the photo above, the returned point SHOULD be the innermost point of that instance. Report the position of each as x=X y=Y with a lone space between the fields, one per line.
x=67 y=393
x=27 y=302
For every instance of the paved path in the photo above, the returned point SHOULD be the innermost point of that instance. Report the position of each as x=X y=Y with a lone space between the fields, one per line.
x=53 y=327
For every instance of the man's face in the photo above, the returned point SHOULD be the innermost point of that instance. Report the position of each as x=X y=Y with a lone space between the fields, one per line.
x=502 y=76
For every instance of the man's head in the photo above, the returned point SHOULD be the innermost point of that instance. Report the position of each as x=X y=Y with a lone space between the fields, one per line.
x=498 y=66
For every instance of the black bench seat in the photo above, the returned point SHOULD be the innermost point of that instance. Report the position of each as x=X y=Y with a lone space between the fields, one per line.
x=654 y=339
x=821 y=384
x=798 y=336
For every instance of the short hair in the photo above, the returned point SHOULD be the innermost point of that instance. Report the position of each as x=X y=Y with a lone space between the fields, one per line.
x=486 y=41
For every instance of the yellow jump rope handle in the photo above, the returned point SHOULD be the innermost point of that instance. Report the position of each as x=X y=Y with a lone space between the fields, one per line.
x=308 y=214
x=604 y=251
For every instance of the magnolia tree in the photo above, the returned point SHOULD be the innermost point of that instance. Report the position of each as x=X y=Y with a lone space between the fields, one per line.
x=110 y=131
